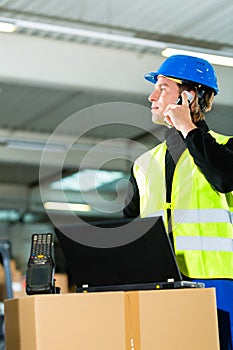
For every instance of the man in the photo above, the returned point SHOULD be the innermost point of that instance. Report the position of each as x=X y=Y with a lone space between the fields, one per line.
x=189 y=180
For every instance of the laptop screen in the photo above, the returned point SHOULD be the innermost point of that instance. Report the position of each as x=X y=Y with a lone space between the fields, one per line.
x=119 y=252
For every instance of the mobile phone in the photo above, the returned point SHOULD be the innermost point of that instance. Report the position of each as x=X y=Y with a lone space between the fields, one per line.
x=189 y=95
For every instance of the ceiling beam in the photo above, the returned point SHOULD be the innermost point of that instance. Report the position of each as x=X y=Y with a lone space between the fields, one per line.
x=46 y=61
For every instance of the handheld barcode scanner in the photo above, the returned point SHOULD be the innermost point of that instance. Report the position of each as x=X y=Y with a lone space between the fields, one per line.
x=40 y=267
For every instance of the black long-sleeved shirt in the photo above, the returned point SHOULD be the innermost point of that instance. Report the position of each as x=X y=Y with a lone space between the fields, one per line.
x=213 y=159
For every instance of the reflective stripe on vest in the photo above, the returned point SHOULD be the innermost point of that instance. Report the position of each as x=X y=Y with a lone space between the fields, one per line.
x=199 y=215
x=204 y=243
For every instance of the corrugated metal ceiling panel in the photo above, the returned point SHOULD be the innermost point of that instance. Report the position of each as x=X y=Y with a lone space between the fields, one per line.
x=208 y=20
x=42 y=109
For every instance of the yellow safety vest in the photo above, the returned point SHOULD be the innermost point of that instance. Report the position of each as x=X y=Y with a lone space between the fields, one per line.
x=201 y=217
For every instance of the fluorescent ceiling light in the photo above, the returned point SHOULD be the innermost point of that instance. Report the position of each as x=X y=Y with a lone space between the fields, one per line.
x=84 y=33
x=66 y=206
x=7 y=27
x=9 y=215
x=33 y=145
x=88 y=179
x=212 y=58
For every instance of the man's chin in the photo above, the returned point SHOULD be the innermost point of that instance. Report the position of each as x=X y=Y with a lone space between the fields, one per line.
x=158 y=119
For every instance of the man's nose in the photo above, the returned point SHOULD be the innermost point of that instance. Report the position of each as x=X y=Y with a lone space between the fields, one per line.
x=152 y=96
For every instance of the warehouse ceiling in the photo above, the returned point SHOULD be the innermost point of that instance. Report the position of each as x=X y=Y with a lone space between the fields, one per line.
x=72 y=89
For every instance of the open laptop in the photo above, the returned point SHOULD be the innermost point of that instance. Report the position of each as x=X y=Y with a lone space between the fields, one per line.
x=121 y=255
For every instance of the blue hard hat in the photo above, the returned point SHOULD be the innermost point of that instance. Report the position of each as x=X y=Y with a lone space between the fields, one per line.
x=187 y=68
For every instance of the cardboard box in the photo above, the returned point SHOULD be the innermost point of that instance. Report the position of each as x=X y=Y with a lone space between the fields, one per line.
x=173 y=319
x=65 y=321
x=181 y=319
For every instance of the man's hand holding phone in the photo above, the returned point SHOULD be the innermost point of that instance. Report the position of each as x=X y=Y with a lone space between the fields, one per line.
x=178 y=115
